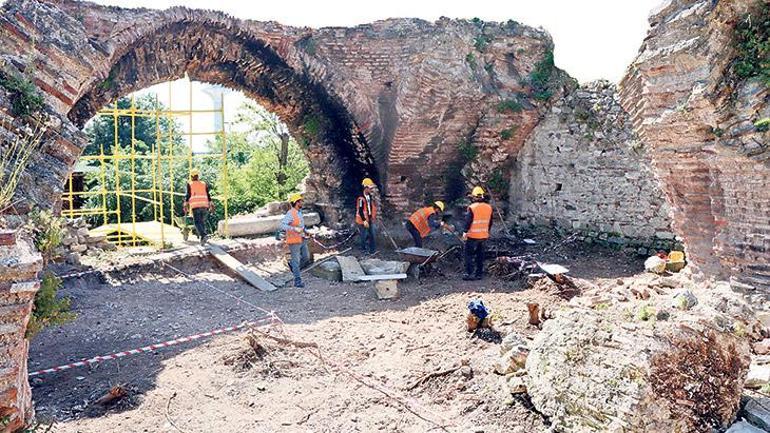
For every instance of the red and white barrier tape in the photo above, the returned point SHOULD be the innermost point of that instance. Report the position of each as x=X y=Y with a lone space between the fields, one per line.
x=152 y=347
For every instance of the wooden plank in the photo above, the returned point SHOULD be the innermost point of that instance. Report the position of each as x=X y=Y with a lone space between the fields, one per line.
x=351 y=269
x=382 y=277
x=244 y=271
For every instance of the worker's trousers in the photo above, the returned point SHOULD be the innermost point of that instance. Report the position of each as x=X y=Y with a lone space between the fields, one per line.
x=415 y=234
x=299 y=255
x=199 y=218
x=367 y=238
x=474 y=257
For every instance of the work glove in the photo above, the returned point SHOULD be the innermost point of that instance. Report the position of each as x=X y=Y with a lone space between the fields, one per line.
x=299 y=229
x=366 y=224
x=465 y=236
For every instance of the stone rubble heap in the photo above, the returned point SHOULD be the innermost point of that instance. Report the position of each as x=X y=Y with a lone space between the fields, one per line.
x=648 y=353
x=77 y=241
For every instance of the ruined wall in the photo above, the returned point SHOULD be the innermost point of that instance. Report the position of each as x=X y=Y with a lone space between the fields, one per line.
x=583 y=169
x=19 y=265
x=697 y=121
x=396 y=100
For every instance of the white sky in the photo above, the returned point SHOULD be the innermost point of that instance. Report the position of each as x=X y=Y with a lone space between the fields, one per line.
x=594 y=38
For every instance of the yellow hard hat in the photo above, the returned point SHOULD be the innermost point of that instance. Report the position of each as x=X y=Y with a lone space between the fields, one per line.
x=439 y=204
x=367 y=182
x=195 y=172
x=478 y=192
x=294 y=197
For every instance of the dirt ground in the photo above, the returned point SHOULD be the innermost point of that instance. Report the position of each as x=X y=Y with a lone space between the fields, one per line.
x=373 y=352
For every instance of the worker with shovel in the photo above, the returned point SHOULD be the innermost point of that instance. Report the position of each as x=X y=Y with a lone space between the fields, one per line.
x=478 y=223
x=425 y=220
x=293 y=224
x=366 y=216
x=198 y=200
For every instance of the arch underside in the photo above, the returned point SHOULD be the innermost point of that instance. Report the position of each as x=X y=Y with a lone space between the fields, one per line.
x=338 y=154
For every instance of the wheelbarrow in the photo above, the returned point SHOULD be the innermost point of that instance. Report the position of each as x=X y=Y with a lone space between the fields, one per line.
x=420 y=259
x=185 y=224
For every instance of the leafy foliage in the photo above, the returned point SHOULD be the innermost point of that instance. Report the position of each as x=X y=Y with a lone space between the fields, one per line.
x=762 y=125
x=752 y=40
x=510 y=106
x=468 y=151
x=48 y=309
x=480 y=42
x=470 y=59
x=25 y=97
x=541 y=77
x=14 y=161
x=47 y=232
x=498 y=183
x=507 y=134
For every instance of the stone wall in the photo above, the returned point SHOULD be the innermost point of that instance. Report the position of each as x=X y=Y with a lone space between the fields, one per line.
x=697 y=121
x=583 y=169
x=396 y=100
x=19 y=266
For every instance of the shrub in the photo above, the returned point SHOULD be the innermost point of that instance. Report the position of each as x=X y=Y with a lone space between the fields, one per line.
x=509 y=105
x=507 y=134
x=762 y=125
x=541 y=77
x=48 y=310
x=468 y=151
x=480 y=42
x=312 y=126
x=47 y=232
x=14 y=160
x=752 y=43
x=498 y=183
x=24 y=95
x=470 y=59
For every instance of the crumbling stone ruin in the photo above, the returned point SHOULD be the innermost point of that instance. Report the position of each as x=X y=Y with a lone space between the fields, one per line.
x=673 y=154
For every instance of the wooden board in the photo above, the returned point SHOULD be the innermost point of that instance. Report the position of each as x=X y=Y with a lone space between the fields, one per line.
x=351 y=269
x=382 y=277
x=244 y=271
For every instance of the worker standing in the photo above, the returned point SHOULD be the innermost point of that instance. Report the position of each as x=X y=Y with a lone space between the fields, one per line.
x=478 y=223
x=366 y=216
x=198 y=200
x=293 y=224
x=424 y=220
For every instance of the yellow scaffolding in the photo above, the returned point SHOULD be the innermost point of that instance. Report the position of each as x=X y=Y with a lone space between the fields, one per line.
x=163 y=230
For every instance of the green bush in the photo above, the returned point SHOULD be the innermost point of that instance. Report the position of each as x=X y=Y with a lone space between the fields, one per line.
x=507 y=134
x=480 y=42
x=541 y=77
x=752 y=42
x=47 y=232
x=498 y=183
x=468 y=151
x=470 y=59
x=762 y=125
x=25 y=97
x=509 y=105
x=48 y=309
x=312 y=126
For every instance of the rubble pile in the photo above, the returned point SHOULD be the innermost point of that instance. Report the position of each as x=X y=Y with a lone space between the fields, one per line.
x=77 y=241
x=650 y=353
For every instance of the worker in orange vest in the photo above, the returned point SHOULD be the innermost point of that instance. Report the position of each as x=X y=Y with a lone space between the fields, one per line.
x=478 y=223
x=198 y=200
x=293 y=224
x=366 y=216
x=424 y=220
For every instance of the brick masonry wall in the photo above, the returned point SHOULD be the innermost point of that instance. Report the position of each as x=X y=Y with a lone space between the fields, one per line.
x=19 y=266
x=583 y=169
x=698 y=123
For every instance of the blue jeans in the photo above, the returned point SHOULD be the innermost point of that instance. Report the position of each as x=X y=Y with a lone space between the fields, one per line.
x=367 y=238
x=299 y=255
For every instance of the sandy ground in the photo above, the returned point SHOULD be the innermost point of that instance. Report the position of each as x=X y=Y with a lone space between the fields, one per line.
x=224 y=385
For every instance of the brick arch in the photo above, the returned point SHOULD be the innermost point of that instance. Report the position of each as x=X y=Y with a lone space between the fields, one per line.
x=211 y=52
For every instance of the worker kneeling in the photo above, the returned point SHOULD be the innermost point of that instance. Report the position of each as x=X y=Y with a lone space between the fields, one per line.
x=425 y=220
x=478 y=223
x=293 y=224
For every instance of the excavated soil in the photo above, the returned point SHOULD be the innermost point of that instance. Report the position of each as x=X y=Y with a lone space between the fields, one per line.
x=364 y=375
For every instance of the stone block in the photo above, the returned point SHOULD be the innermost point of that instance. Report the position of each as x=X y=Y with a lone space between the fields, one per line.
x=328 y=270
x=386 y=289
x=756 y=410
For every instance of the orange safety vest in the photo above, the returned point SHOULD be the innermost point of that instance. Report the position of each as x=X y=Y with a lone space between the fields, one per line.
x=361 y=203
x=482 y=215
x=419 y=220
x=198 y=196
x=293 y=237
